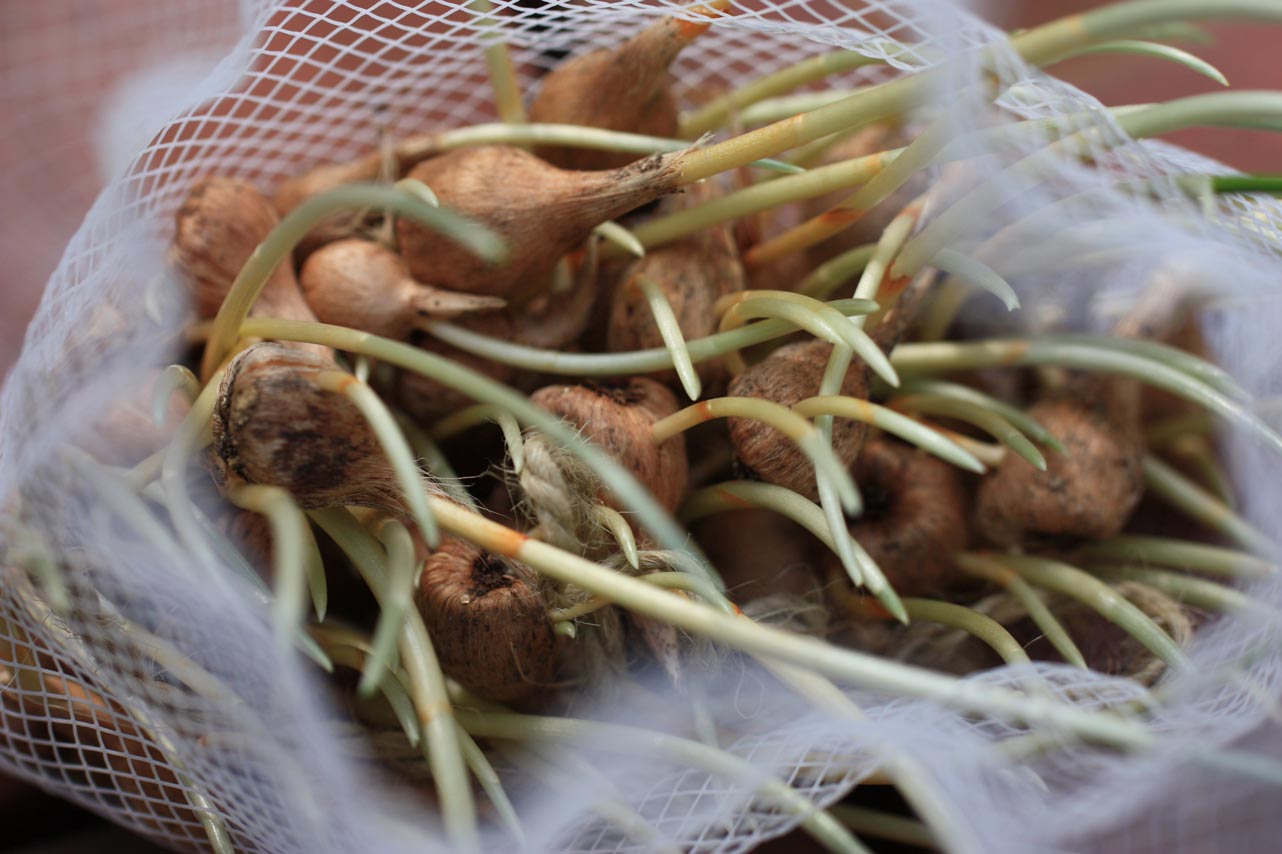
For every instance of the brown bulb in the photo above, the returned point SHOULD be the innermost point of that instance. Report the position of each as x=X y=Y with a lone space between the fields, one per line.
x=914 y=519
x=365 y=285
x=759 y=553
x=1089 y=490
x=274 y=424
x=540 y=211
x=619 y=418
x=693 y=274
x=788 y=376
x=218 y=227
x=626 y=88
x=488 y=622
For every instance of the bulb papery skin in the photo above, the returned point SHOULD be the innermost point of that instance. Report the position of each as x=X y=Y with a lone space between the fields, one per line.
x=541 y=212
x=274 y=424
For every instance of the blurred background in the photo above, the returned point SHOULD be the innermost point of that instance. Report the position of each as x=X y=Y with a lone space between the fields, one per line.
x=57 y=151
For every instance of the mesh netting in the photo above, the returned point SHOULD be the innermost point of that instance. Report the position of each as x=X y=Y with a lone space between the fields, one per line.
x=160 y=699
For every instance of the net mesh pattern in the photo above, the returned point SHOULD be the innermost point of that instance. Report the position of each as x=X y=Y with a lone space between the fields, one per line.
x=159 y=698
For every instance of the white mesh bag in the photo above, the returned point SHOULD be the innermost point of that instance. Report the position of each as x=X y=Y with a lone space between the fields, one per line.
x=155 y=696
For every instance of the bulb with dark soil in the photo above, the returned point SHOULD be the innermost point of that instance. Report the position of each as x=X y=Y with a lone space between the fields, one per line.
x=488 y=622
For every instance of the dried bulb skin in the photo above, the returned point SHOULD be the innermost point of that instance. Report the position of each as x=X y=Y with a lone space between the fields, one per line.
x=488 y=622
x=868 y=140
x=619 y=419
x=627 y=88
x=788 y=376
x=916 y=518
x=273 y=424
x=218 y=227
x=1088 y=491
x=693 y=274
x=365 y=285
x=542 y=212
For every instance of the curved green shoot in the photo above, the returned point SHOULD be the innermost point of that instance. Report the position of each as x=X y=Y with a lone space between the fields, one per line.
x=976 y=273
x=673 y=338
x=619 y=528
x=1195 y=502
x=717 y=112
x=830 y=275
x=735 y=495
x=397 y=600
x=885 y=418
x=289 y=553
x=985 y=419
x=815 y=317
x=1188 y=589
x=457 y=422
x=414 y=484
x=1139 y=47
x=1053 y=350
x=1017 y=417
x=426 y=681
x=1022 y=592
x=173 y=378
x=614 y=364
x=1181 y=554
x=612 y=232
x=970 y=621
x=805 y=435
x=1107 y=602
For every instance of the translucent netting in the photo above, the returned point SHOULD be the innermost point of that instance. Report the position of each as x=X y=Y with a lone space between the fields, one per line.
x=115 y=708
